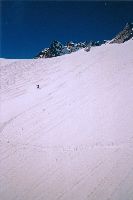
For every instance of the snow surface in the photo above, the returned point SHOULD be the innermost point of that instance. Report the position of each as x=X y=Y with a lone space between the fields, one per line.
x=72 y=139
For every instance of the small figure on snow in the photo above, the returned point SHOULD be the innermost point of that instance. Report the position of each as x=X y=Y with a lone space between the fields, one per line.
x=37 y=86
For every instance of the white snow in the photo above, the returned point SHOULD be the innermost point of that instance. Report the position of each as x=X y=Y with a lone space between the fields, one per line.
x=72 y=139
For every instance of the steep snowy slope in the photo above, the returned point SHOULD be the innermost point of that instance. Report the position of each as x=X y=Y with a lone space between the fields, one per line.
x=72 y=139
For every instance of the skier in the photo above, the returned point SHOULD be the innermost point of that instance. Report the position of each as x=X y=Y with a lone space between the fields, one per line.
x=37 y=86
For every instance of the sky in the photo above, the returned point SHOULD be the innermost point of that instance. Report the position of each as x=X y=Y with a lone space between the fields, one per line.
x=27 y=27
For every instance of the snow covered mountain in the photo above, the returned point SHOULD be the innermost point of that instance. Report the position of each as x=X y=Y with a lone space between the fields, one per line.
x=72 y=139
x=58 y=49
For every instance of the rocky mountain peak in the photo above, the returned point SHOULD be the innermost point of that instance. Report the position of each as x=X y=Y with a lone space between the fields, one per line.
x=58 y=49
x=124 y=35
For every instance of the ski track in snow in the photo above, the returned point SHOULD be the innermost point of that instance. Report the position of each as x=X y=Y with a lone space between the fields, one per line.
x=73 y=137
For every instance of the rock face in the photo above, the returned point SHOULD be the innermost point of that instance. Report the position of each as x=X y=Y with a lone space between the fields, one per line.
x=124 y=35
x=55 y=48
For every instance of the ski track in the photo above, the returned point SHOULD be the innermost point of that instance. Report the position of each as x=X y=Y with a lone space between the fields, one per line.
x=72 y=138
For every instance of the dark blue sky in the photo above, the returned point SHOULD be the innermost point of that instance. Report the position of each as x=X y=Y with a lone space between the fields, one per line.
x=29 y=26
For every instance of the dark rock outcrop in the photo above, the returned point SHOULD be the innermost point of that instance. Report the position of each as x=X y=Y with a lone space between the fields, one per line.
x=124 y=35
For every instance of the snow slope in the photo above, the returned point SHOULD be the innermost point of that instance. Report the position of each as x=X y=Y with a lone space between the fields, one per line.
x=72 y=139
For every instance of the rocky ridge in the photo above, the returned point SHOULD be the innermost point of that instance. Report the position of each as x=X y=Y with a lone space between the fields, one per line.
x=58 y=49
x=124 y=35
